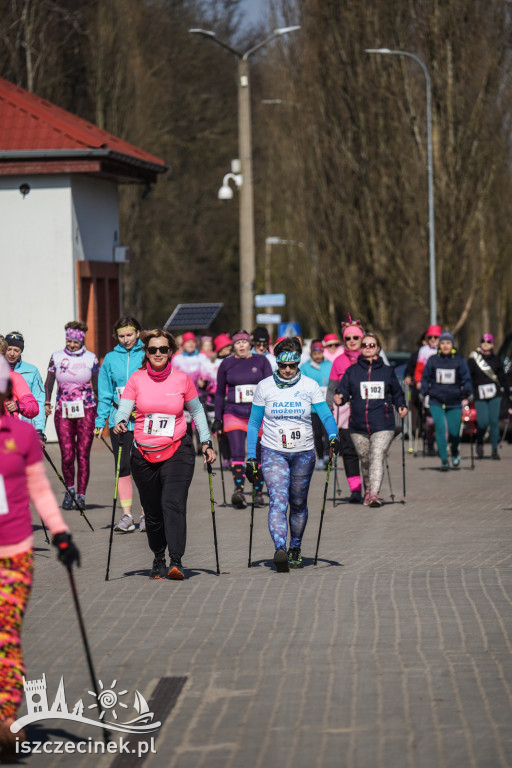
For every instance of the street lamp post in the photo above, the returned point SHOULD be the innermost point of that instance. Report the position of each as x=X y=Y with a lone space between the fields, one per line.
x=430 y=170
x=247 y=259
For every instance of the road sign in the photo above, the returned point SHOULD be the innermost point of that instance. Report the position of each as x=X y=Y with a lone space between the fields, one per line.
x=270 y=300
x=268 y=319
x=289 y=329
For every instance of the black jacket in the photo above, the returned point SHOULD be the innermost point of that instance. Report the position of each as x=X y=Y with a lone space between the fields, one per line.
x=372 y=389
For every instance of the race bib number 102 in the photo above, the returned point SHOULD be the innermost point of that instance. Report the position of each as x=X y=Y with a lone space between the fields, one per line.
x=372 y=390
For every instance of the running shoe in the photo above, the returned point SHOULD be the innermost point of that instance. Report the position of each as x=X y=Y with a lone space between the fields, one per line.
x=374 y=501
x=455 y=459
x=259 y=501
x=142 y=524
x=445 y=467
x=479 y=451
x=295 y=558
x=238 y=500
x=175 y=569
x=281 y=560
x=125 y=524
x=366 y=501
x=159 y=569
x=68 y=499
x=80 y=500
x=495 y=456
x=355 y=497
x=320 y=464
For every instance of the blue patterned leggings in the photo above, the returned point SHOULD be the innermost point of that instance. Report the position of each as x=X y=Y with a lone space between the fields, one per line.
x=287 y=476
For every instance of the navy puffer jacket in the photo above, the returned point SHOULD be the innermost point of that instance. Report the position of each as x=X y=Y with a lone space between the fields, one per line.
x=372 y=389
x=446 y=379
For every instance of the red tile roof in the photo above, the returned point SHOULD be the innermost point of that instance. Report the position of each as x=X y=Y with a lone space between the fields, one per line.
x=29 y=123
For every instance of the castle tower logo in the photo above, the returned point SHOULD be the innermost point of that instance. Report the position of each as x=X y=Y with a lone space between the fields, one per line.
x=108 y=705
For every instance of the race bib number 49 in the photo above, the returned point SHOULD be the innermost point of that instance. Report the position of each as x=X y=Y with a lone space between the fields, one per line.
x=73 y=409
x=293 y=438
x=445 y=375
x=244 y=393
x=372 y=390
x=160 y=424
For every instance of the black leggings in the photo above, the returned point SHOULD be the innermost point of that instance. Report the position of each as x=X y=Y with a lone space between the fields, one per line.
x=125 y=469
x=163 y=490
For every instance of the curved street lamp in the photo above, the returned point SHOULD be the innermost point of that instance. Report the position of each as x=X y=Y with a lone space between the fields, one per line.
x=430 y=171
x=247 y=258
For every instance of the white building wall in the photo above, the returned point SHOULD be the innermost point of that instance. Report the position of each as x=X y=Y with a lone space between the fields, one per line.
x=61 y=220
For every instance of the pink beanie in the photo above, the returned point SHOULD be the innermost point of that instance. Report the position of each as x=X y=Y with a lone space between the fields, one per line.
x=221 y=341
x=188 y=336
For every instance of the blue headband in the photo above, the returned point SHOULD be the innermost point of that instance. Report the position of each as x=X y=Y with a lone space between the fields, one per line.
x=288 y=357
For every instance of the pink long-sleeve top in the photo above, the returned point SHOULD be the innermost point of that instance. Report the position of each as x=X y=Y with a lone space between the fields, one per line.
x=27 y=404
x=339 y=367
x=23 y=479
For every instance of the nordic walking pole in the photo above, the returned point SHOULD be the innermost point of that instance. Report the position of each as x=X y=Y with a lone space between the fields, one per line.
x=106 y=734
x=403 y=455
x=118 y=467
x=210 y=473
x=323 y=503
x=45 y=532
x=251 y=526
x=471 y=448
x=108 y=446
x=224 y=504
x=389 y=481
x=71 y=493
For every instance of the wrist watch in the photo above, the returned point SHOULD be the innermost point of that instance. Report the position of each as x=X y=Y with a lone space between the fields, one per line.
x=207 y=443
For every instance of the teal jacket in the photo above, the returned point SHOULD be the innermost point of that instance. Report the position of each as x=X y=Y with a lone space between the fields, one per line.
x=115 y=371
x=35 y=383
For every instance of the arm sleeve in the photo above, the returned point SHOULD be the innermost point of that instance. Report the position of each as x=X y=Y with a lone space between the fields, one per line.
x=199 y=416
x=323 y=412
x=220 y=394
x=105 y=394
x=27 y=404
x=331 y=390
x=38 y=392
x=94 y=384
x=124 y=411
x=425 y=377
x=43 y=499
x=253 y=428
x=397 y=392
x=467 y=384
x=50 y=381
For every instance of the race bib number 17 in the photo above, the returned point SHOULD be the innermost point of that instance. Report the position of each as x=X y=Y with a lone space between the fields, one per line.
x=161 y=424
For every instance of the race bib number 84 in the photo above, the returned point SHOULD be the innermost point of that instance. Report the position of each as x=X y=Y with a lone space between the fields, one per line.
x=372 y=390
x=73 y=409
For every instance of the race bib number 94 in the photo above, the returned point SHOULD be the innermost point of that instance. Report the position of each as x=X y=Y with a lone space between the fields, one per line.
x=445 y=375
x=372 y=390
x=293 y=438
x=161 y=424
x=244 y=393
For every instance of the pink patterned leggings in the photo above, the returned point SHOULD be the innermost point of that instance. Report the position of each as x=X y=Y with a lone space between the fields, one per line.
x=75 y=440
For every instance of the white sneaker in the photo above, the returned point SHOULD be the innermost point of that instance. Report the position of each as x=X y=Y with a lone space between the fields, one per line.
x=125 y=525
x=142 y=523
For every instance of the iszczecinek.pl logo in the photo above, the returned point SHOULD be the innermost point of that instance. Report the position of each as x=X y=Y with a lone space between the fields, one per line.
x=108 y=704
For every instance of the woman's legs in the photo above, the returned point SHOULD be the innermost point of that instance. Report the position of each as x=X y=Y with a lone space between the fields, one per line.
x=84 y=438
x=66 y=433
x=15 y=583
x=350 y=460
x=302 y=466
x=276 y=473
x=236 y=439
x=438 y=414
x=149 y=485
x=362 y=446
x=125 y=487
x=494 y=416
x=379 y=444
x=453 y=420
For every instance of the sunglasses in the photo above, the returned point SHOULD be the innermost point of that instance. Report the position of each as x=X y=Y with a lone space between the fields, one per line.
x=156 y=350
x=486 y=341
x=351 y=338
x=260 y=343
x=432 y=337
x=292 y=366
x=368 y=346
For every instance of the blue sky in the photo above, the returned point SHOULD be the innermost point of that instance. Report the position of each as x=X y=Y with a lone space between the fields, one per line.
x=254 y=10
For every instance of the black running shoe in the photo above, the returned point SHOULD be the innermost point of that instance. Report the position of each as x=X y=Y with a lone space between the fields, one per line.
x=281 y=561
x=295 y=558
x=175 y=569
x=238 y=500
x=259 y=501
x=159 y=569
x=355 y=497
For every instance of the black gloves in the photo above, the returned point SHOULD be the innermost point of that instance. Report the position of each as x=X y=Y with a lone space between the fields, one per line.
x=252 y=471
x=217 y=425
x=469 y=397
x=41 y=436
x=68 y=553
x=335 y=444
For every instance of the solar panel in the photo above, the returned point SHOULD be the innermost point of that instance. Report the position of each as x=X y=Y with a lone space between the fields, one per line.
x=192 y=317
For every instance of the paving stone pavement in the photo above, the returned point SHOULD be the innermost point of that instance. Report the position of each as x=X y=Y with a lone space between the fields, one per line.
x=394 y=651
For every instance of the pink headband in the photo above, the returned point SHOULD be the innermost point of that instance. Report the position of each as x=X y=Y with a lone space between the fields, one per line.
x=355 y=329
x=75 y=333
x=241 y=337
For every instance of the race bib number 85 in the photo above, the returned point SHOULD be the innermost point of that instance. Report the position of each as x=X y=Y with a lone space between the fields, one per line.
x=244 y=393
x=372 y=390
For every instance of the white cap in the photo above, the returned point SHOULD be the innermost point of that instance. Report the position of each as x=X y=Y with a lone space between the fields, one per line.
x=5 y=374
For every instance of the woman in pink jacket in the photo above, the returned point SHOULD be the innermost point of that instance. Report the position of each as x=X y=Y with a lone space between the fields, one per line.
x=352 y=337
x=22 y=400
x=22 y=480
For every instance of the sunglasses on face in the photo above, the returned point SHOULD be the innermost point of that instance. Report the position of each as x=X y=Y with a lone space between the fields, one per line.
x=156 y=350
x=486 y=341
x=352 y=338
x=291 y=366
x=432 y=337
x=365 y=345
